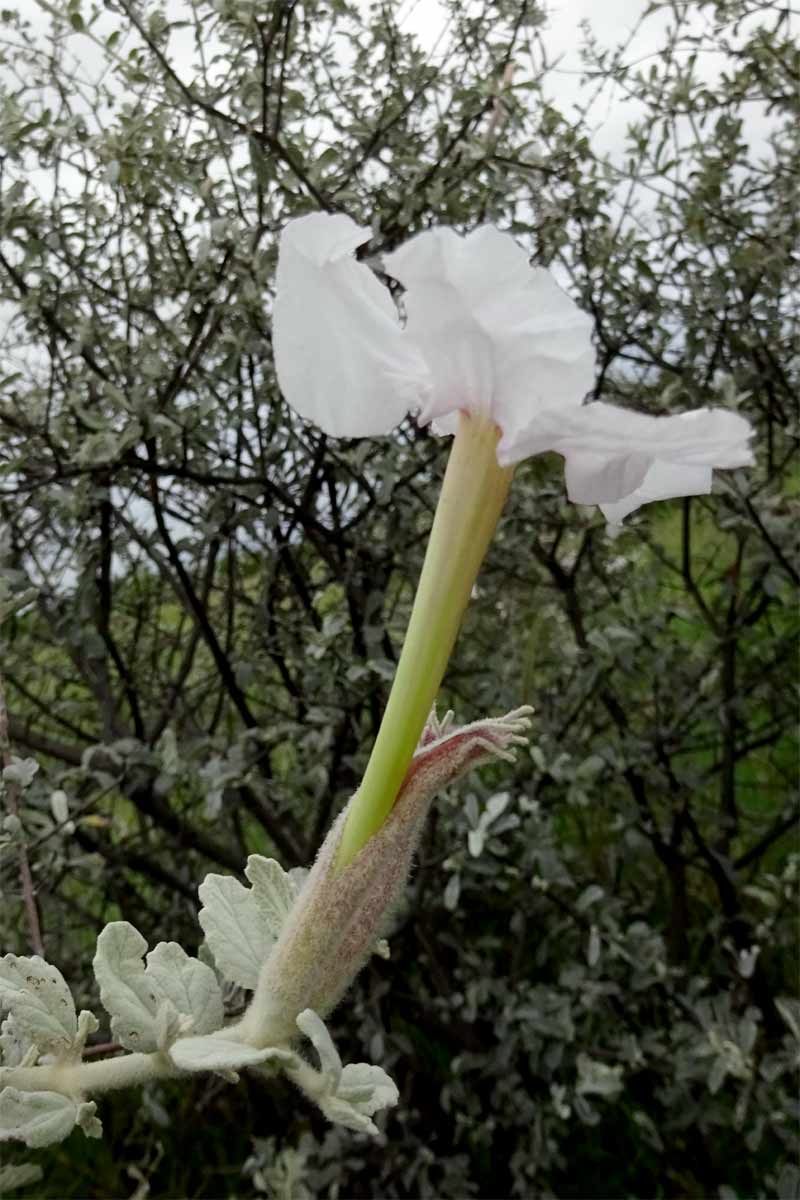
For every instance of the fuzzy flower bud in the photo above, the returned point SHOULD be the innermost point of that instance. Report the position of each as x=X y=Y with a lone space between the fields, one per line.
x=339 y=915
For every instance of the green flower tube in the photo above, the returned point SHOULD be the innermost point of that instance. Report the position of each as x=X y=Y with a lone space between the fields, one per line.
x=472 y=497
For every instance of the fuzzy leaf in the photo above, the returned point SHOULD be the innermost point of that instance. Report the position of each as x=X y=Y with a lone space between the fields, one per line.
x=39 y=1000
x=368 y=1087
x=168 y=1024
x=362 y=1090
x=36 y=1118
x=235 y=929
x=20 y=771
x=14 y=1046
x=348 y=1095
x=222 y=1054
x=317 y=1033
x=86 y=1120
x=189 y=984
x=597 y=1078
x=127 y=994
x=273 y=889
x=87 y=1024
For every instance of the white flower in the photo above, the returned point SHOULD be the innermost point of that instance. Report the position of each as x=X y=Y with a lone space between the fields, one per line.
x=484 y=331
x=487 y=334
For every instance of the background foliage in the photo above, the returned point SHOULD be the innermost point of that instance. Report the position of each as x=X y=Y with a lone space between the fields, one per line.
x=592 y=988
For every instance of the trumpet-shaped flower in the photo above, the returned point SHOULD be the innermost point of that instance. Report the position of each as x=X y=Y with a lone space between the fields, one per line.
x=486 y=334
x=491 y=350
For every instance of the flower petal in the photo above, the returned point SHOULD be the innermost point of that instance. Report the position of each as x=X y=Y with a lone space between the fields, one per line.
x=621 y=459
x=712 y=437
x=664 y=481
x=341 y=359
x=595 y=479
x=498 y=336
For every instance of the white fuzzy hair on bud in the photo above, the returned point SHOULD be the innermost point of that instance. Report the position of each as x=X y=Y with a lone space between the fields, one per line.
x=339 y=916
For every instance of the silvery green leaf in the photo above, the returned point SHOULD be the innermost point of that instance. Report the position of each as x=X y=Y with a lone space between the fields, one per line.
x=589 y=896
x=87 y=1023
x=475 y=839
x=597 y=1079
x=316 y=1031
x=168 y=1025
x=235 y=929
x=20 y=771
x=127 y=994
x=36 y=1118
x=188 y=983
x=212 y=805
x=214 y=776
x=368 y=1087
x=590 y=766
x=339 y=1112
x=716 y=1076
x=746 y=961
x=274 y=891
x=452 y=892
x=169 y=753
x=788 y=1182
x=748 y=1032
x=539 y=758
x=789 y=1008
x=59 y=806
x=15 y=1048
x=20 y=1176
x=86 y=1120
x=298 y=876
x=593 y=949
x=40 y=1001
x=222 y=1054
x=496 y=805
x=471 y=808
x=348 y=1095
x=362 y=1090
x=12 y=825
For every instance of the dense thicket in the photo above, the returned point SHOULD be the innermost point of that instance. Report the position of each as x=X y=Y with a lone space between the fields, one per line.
x=591 y=990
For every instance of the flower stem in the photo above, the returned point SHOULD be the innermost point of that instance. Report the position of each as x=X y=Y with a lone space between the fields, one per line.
x=75 y=1079
x=472 y=498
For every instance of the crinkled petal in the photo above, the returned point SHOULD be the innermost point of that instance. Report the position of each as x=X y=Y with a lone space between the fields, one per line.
x=621 y=459
x=595 y=479
x=498 y=336
x=663 y=481
x=711 y=437
x=341 y=358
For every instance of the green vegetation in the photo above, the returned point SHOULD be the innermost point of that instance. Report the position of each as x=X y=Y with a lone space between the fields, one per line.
x=594 y=992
